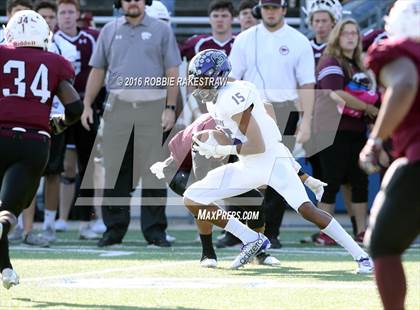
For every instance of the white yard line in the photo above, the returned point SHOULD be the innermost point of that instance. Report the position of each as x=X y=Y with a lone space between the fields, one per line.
x=70 y=276
x=199 y=283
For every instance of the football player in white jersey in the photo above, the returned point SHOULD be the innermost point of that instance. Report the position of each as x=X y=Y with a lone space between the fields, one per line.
x=263 y=160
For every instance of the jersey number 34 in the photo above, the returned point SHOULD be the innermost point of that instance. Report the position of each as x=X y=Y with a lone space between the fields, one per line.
x=39 y=85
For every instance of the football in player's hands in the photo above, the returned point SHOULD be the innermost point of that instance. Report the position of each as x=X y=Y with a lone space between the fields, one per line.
x=212 y=138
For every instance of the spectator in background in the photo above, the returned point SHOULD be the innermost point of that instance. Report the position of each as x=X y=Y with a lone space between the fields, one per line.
x=342 y=74
x=322 y=16
x=13 y=6
x=279 y=61
x=246 y=19
x=85 y=42
x=151 y=110
x=158 y=10
x=221 y=14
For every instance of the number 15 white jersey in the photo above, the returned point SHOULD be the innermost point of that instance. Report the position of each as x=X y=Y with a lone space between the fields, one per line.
x=236 y=97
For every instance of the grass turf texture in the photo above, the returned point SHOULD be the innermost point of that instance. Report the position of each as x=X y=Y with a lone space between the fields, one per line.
x=77 y=275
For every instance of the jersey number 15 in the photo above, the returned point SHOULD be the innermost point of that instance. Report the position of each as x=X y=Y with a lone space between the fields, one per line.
x=40 y=79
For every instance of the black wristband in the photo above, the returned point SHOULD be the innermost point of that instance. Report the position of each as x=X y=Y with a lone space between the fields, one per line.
x=171 y=107
x=301 y=172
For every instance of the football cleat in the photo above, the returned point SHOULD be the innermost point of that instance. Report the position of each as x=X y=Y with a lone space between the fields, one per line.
x=250 y=250
x=266 y=259
x=364 y=265
x=9 y=278
x=206 y=262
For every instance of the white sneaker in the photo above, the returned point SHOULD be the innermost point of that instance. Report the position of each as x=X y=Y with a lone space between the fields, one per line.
x=88 y=234
x=49 y=234
x=16 y=234
x=98 y=226
x=170 y=238
x=9 y=278
x=61 y=225
x=267 y=260
x=208 y=262
x=250 y=250
x=364 y=266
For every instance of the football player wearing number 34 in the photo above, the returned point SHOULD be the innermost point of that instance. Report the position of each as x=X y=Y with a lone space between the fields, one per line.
x=263 y=160
x=31 y=78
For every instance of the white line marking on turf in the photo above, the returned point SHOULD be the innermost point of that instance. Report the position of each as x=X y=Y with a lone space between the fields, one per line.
x=199 y=283
x=173 y=250
x=65 y=277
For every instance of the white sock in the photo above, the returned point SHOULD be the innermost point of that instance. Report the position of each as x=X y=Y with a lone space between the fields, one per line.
x=49 y=218
x=336 y=232
x=241 y=231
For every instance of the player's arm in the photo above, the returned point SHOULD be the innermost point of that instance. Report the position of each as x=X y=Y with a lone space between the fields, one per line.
x=249 y=127
x=168 y=115
x=73 y=107
x=401 y=82
x=94 y=84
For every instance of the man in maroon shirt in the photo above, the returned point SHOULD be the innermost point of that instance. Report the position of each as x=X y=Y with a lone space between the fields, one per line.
x=31 y=78
x=395 y=217
x=322 y=16
x=221 y=14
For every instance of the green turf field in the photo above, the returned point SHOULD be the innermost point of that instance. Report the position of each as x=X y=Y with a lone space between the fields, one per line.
x=78 y=275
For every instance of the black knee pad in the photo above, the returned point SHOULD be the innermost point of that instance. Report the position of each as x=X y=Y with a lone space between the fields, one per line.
x=179 y=182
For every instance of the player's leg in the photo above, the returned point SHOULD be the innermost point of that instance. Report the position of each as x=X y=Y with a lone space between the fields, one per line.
x=333 y=163
x=359 y=185
x=52 y=184
x=30 y=237
x=21 y=167
x=208 y=255
x=67 y=186
x=288 y=184
x=346 y=191
x=85 y=141
x=394 y=224
x=274 y=208
x=223 y=182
